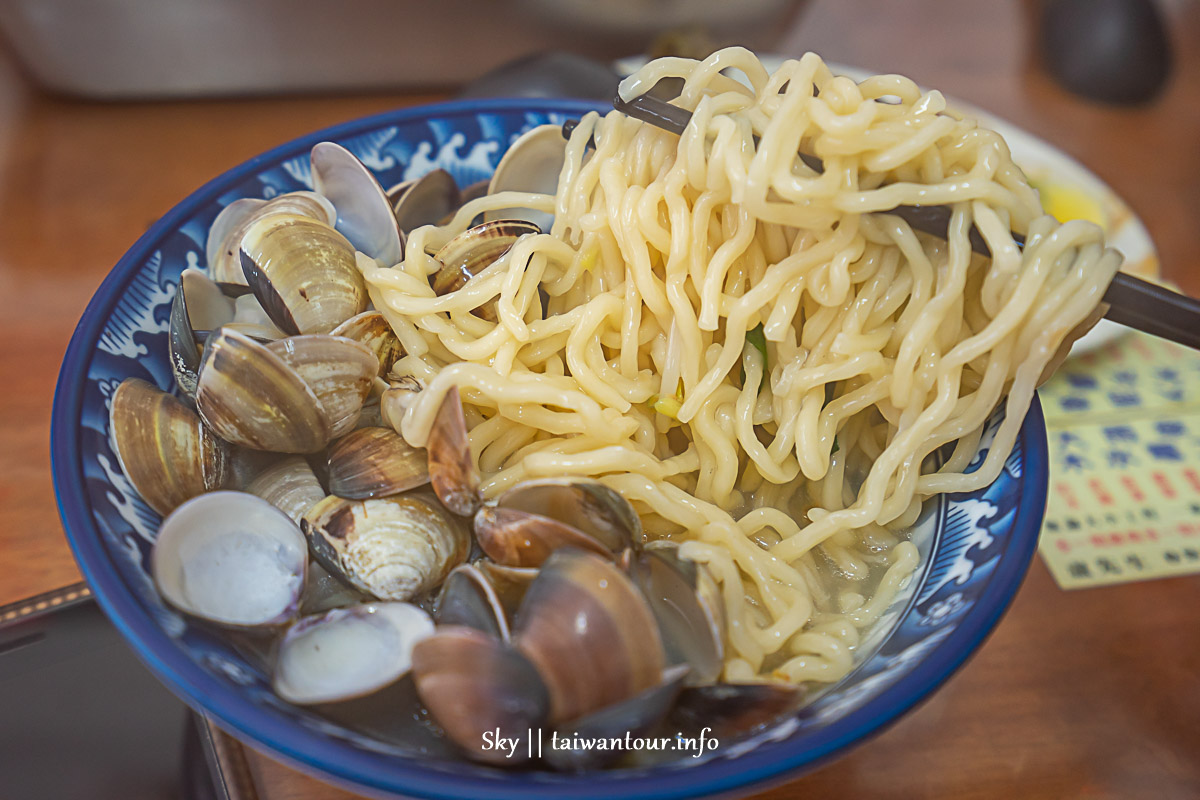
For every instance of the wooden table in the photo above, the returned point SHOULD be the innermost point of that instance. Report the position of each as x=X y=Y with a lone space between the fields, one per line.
x=1084 y=694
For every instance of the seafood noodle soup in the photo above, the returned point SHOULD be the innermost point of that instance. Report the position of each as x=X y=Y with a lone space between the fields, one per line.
x=632 y=438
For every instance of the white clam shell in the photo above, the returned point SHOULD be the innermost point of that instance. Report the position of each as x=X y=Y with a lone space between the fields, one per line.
x=348 y=652
x=231 y=558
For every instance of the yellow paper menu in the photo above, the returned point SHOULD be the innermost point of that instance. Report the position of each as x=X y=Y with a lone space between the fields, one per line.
x=1123 y=424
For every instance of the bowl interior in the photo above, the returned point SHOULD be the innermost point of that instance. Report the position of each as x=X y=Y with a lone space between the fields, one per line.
x=974 y=547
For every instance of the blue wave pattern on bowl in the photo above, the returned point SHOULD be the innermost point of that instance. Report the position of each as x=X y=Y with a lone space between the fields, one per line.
x=974 y=547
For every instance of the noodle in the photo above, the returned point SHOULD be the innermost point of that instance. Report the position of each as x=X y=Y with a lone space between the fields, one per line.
x=672 y=260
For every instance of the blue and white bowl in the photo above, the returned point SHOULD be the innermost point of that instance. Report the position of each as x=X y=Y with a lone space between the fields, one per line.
x=974 y=547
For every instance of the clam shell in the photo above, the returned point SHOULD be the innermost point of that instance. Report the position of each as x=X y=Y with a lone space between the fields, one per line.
x=451 y=470
x=163 y=447
x=364 y=215
x=692 y=629
x=590 y=634
x=249 y=396
x=475 y=249
x=509 y=583
x=584 y=504
x=517 y=538
x=289 y=485
x=393 y=548
x=225 y=234
x=348 y=652
x=468 y=598
x=531 y=164
x=425 y=201
x=199 y=304
x=473 y=684
x=374 y=462
x=373 y=330
x=339 y=372
x=232 y=559
x=303 y=272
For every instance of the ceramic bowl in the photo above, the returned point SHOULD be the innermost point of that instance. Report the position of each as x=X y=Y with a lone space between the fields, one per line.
x=974 y=547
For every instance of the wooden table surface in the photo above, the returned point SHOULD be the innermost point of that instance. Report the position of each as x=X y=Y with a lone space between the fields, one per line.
x=1091 y=693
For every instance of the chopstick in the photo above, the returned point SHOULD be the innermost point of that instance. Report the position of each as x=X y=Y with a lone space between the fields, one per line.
x=1132 y=301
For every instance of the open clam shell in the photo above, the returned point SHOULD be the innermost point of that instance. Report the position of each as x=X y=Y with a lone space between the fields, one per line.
x=475 y=249
x=232 y=559
x=364 y=215
x=348 y=652
x=451 y=469
x=585 y=504
x=426 y=200
x=531 y=164
x=474 y=684
x=339 y=371
x=375 y=462
x=468 y=598
x=517 y=538
x=393 y=548
x=690 y=619
x=249 y=396
x=590 y=634
x=225 y=234
x=303 y=272
x=163 y=447
x=372 y=329
x=509 y=583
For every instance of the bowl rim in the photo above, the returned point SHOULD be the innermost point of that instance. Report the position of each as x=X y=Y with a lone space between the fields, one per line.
x=769 y=763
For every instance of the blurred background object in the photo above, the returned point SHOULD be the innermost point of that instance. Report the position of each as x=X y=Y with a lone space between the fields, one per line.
x=109 y=49
x=1114 y=51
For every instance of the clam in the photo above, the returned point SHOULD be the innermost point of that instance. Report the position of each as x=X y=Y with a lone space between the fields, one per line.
x=531 y=164
x=371 y=329
x=249 y=396
x=474 y=250
x=225 y=234
x=364 y=214
x=584 y=504
x=517 y=538
x=468 y=598
x=451 y=470
x=289 y=485
x=474 y=684
x=163 y=447
x=636 y=717
x=374 y=462
x=303 y=272
x=199 y=304
x=590 y=634
x=394 y=548
x=425 y=201
x=509 y=583
x=339 y=371
x=200 y=307
x=689 y=614
x=232 y=559
x=348 y=652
